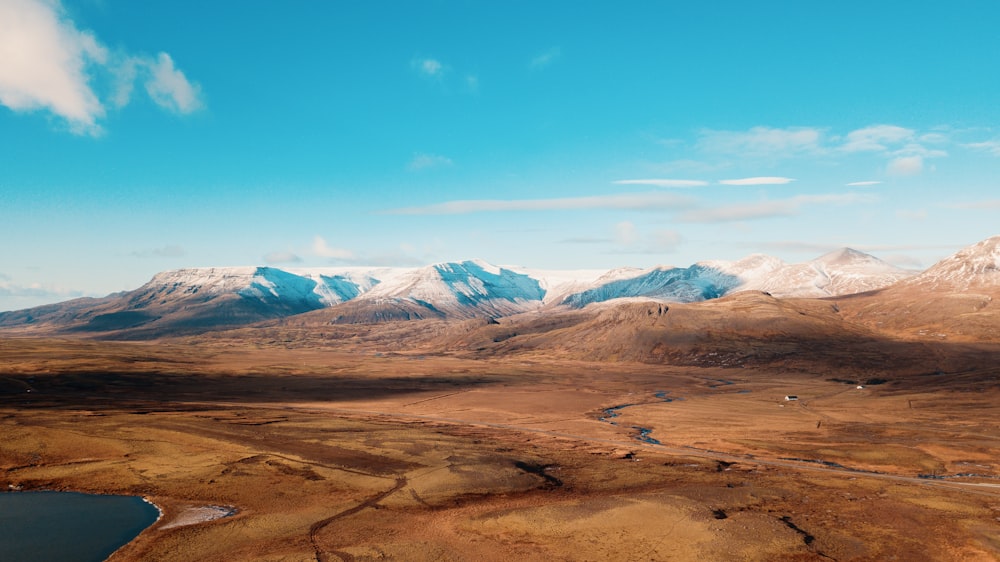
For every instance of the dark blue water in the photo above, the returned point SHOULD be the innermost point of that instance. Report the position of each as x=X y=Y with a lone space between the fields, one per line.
x=69 y=526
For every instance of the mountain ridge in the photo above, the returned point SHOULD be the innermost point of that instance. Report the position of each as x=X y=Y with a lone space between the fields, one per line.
x=193 y=300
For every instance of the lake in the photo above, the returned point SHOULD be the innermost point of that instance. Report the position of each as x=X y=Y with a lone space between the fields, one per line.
x=69 y=526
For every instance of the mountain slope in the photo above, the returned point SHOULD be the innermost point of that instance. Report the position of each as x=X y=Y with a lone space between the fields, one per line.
x=841 y=272
x=198 y=300
x=954 y=299
x=844 y=271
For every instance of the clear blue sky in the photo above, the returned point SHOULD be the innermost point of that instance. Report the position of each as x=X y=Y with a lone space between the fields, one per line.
x=142 y=136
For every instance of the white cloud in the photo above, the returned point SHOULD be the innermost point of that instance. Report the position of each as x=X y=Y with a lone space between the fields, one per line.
x=663 y=182
x=283 y=257
x=626 y=234
x=36 y=290
x=169 y=88
x=914 y=149
x=905 y=166
x=432 y=68
x=862 y=183
x=424 y=161
x=763 y=180
x=769 y=209
x=323 y=250
x=876 y=138
x=666 y=240
x=546 y=58
x=46 y=63
x=762 y=141
x=630 y=201
x=991 y=146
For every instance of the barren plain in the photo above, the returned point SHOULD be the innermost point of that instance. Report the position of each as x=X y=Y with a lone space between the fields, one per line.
x=345 y=450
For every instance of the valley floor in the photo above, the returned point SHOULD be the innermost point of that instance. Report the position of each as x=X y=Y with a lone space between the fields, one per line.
x=352 y=454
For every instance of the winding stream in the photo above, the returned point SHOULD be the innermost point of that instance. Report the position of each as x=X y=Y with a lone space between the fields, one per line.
x=644 y=432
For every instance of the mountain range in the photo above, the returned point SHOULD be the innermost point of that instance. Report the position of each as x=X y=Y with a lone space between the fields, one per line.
x=866 y=290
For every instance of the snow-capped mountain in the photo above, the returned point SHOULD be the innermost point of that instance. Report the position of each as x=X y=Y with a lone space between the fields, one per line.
x=191 y=300
x=956 y=299
x=463 y=289
x=677 y=284
x=976 y=267
x=841 y=272
x=313 y=288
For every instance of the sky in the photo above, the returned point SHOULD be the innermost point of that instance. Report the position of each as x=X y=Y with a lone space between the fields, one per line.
x=137 y=137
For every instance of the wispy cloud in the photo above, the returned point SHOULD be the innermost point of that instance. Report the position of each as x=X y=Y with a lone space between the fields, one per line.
x=626 y=233
x=761 y=142
x=322 y=249
x=762 y=180
x=422 y=161
x=429 y=67
x=629 y=238
x=35 y=290
x=283 y=257
x=905 y=166
x=876 y=138
x=629 y=201
x=169 y=88
x=768 y=209
x=862 y=183
x=46 y=63
x=663 y=182
x=991 y=146
x=545 y=58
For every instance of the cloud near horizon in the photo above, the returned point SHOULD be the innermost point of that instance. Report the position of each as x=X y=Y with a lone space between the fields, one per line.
x=905 y=149
x=763 y=180
x=876 y=138
x=322 y=249
x=35 y=290
x=768 y=209
x=762 y=141
x=663 y=182
x=629 y=201
x=282 y=257
x=46 y=63
x=905 y=166
x=631 y=240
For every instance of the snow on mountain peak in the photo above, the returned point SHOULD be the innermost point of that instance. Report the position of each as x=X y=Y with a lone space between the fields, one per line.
x=976 y=266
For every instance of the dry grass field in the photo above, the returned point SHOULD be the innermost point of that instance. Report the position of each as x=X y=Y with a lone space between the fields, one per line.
x=345 y=452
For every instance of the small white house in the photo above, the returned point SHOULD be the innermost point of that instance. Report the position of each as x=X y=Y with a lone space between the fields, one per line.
x=791 y=397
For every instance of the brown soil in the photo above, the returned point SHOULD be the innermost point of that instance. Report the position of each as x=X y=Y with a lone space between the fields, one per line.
x=340 y=450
